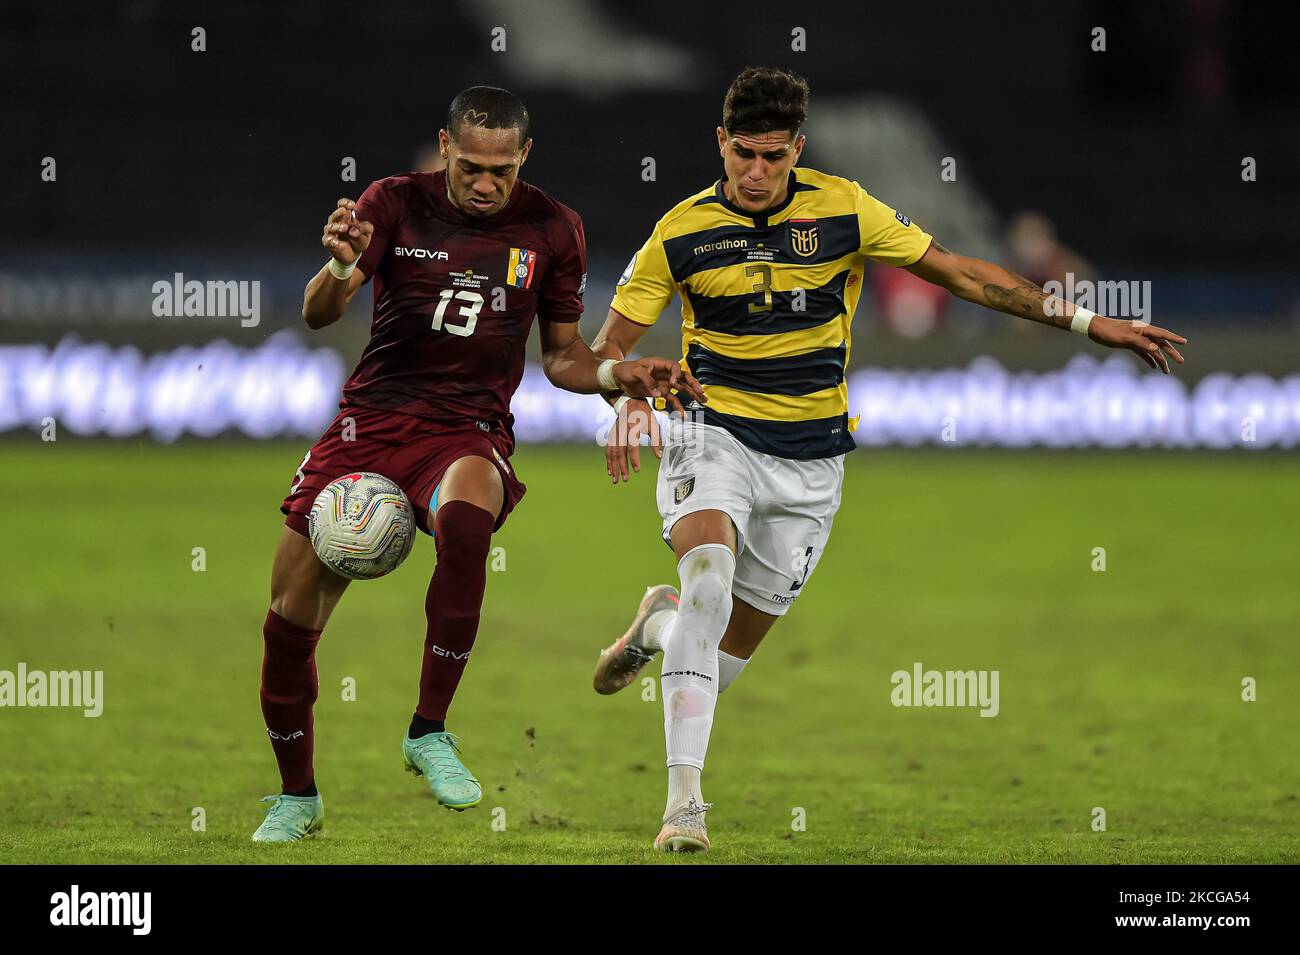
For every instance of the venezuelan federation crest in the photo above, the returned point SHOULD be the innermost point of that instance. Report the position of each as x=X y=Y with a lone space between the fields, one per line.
x=519 y=271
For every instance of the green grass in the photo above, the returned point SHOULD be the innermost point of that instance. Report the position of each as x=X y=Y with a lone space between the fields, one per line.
x=1118 y=689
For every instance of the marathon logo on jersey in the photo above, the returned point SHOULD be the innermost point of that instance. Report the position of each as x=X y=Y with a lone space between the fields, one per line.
x=722 y=245
x=519 y=272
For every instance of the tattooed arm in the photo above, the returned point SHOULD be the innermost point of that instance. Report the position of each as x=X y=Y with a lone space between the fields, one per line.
x=1001 y=290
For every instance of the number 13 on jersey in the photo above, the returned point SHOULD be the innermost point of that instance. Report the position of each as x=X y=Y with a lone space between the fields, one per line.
x=468 y=312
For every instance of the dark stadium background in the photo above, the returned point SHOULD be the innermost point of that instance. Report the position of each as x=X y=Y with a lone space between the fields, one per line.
x=133 y=441
x=225 y=162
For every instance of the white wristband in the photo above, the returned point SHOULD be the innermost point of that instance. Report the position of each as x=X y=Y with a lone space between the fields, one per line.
x=1082 y=319
x=605 y=375
x=341 y=271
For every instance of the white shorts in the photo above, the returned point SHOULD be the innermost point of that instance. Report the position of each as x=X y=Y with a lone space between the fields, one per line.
x=782 y=508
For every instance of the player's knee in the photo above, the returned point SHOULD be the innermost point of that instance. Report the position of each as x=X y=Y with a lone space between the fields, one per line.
x=708 y=594
x=296 y=601
x=707 y=560
x=303 y=590
x=464 y=533
x=474 y=480
x=296 y=608
x=706 y=574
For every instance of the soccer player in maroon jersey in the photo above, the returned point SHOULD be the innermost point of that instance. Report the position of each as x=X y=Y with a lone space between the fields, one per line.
x=462 y=259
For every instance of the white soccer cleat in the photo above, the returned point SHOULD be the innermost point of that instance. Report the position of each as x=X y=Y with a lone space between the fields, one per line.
x=623 y=659
x=685 y=830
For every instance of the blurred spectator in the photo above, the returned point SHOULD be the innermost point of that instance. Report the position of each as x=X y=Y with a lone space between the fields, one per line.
x=1035 y=252
x=909 y=306
x=428 y=158
x=913 y=308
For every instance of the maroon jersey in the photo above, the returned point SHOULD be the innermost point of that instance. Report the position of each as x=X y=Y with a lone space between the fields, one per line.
x=455 y=297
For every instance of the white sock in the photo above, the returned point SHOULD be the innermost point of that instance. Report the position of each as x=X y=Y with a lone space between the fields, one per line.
x=657 y=630
x=690 y=669
x=729 y=668
x=683 y=786
x=684 y=781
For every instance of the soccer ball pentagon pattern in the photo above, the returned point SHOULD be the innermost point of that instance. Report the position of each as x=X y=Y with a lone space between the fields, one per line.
x=362 y=526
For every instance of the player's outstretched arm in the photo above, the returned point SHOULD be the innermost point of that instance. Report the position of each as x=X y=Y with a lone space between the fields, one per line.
x=636 y=419
x=993 y=286
x=328 y=293
x=571 y=365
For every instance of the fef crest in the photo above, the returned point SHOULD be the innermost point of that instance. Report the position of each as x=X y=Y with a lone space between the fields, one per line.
x=683 y=490
x=804 y=241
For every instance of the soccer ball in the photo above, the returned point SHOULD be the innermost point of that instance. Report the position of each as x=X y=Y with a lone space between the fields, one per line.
x=361 y=525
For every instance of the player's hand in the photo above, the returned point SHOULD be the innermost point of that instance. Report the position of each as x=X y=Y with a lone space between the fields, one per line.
x=1154 y=344
x=658 y=378
x=345 y=237
x=623 y=443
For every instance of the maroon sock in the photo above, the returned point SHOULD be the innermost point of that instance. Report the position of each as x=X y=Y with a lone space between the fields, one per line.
x=289 y=687
x=451 y=606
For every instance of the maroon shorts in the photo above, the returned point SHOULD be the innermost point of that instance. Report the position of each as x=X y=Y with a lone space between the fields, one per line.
x=412 y=452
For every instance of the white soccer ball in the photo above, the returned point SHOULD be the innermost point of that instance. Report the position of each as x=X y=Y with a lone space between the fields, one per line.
x=362 y=526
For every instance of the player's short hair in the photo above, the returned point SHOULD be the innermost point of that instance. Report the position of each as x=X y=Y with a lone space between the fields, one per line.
x=762 y=99
x=489 y=107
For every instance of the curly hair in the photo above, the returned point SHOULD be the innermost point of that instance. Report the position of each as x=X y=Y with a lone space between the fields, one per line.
x=762 y=99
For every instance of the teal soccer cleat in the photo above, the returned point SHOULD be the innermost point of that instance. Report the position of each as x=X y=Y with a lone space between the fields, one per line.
x=435 y=758
x=291 y=818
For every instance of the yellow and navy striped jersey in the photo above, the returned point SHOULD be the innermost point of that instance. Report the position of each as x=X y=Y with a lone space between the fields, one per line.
x=767 y=301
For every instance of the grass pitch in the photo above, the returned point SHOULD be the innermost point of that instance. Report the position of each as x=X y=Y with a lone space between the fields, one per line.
x=1119 y=689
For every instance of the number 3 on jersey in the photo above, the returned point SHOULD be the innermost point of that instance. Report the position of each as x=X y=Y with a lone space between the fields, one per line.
x=468 y=312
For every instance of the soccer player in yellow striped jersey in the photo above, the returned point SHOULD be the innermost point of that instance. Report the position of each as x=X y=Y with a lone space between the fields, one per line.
x=768 y=263
x=767 y=300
